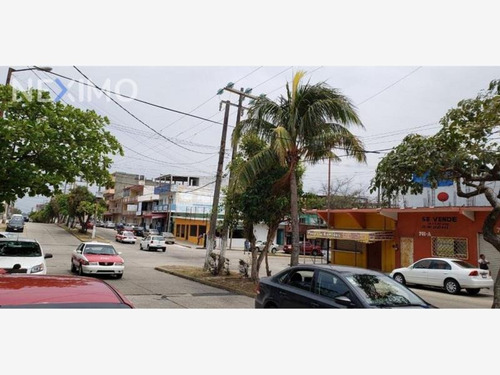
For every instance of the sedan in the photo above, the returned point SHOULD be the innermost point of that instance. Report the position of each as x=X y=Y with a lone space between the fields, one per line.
x=306 y=248
x=259 y=246
x=448 y=273
x=125 y=237
x=330 y=286
x=22 y=255
x=153 y=243
x=97 y=258
x=19 y=291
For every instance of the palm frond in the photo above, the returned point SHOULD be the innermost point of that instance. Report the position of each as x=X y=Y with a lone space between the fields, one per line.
x=260 y=162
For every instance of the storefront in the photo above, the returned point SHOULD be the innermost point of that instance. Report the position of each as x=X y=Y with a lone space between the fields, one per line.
x=190 y=229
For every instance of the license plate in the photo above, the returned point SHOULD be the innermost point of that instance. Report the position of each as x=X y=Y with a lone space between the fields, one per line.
x=483 y=275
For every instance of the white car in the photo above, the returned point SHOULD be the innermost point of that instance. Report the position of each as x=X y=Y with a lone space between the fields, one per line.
x=22 y=255
x=153 y=242
x=259 y=246
x=448 y=273
x=97 y=258
x=125 y=237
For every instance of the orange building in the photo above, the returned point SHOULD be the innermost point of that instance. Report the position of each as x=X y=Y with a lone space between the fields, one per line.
x=387 y=238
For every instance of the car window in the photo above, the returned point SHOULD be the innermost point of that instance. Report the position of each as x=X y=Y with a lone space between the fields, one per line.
x=329 y=285
x=157 y=238
x=301 y=279
x=440 y=265
x=99 y=249
x=423 y=264
x=463 y=264
x=20 y=249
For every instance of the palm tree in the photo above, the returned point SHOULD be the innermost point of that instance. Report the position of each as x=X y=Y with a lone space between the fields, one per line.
x=305 y=126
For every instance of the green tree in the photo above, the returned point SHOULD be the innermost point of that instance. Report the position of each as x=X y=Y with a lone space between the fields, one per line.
x=82 y=205
x=305 y=125
x=464 y=150
x=44 y=144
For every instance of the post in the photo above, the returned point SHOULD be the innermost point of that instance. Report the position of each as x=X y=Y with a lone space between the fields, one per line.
x=95 y=219
x=328 y=212
x=218 y=181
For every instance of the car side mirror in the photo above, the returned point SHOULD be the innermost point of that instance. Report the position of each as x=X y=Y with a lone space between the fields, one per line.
x=119 y=253
x=344 y=301
x=47 y=256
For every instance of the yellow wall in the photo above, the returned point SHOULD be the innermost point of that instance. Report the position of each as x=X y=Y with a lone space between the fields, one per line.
x=188 y=223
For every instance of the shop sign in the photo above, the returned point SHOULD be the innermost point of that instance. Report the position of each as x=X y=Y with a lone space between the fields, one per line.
x=438 y=222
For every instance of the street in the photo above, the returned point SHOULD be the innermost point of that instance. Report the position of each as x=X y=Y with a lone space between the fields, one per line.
x=149 y=288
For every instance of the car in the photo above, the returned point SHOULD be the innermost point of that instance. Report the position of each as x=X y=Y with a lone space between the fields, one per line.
x=119 y=227
x=307 y=249
x=451 y=274
x=8 y=235
x=153 y=242
x=259 y=246
x=138 y=231
x=89 y=225
x=99 y=224
x=169 y=237
x=15 y=224
x=59 y=291
x=125 y=237
x=151 y=232
x=109 y=224
x=97 y=258
x=22 y=255
x=333 y=286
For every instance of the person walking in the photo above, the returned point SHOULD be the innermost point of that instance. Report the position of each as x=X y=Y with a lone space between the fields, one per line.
x=247 y=246
x=483 y=262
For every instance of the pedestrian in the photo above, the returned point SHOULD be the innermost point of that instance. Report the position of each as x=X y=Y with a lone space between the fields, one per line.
x=247 y=246
x=199 y=238
x=483 y=262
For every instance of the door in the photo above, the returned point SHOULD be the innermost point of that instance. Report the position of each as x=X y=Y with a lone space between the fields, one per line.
x=406 y=245
x=296 y=291
x=418 y=273
x=374 y=261
x=438 y=272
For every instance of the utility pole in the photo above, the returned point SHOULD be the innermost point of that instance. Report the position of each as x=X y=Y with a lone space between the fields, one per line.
x=218 y=182
x=328 y=212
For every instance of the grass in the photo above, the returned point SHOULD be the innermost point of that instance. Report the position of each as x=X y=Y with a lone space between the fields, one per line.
x=84 y=237
x=234 y=282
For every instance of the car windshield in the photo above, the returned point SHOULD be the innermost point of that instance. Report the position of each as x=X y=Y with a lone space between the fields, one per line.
x=382 y=291
x=16 y=220
x=128 y=234
x=99 y=249
x=20 y=249
x=463 y=264
x=157 y=238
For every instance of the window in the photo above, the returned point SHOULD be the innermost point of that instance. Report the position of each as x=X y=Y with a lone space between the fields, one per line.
x=440 y=265
x=238 y=233
x=423 y=264
x=193 y=230
x=330 y=286
x=449 y=247
x=301 y=279
x=203 y=229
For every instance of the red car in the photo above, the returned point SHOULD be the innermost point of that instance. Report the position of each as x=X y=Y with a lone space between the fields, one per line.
x=308 y=249
x=44 y=291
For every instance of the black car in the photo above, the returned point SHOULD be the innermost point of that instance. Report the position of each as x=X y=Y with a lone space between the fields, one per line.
x=138 y=232
x=16 y=224
x=331 y=286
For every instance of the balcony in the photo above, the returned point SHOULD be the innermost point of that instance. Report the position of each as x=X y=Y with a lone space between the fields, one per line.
x=160 y=208
x=129 y=200
x=162 y=189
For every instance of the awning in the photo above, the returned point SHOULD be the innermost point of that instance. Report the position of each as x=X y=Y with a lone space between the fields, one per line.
x=155 y=216
x=365 y=236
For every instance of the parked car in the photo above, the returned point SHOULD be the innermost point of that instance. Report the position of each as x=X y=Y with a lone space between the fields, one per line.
x=8 y=235
x=308 y=249
x=151 y=232
x=15 y=224
x=90 y=225
x=44 y=291
x=125 y=237
x=169 y=237
x=109 y=224
x=138 y=231
x=329 y=286
x=98 y=259
x=259 y=246
x=153 y=242
x=99 y=224
x=22 y=255
x=119 y=227
x=448 y=273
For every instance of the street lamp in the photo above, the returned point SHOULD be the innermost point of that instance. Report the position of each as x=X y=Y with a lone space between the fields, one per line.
x=7 y=82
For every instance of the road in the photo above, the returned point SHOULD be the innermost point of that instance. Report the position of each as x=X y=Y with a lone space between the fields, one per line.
x=148 y=288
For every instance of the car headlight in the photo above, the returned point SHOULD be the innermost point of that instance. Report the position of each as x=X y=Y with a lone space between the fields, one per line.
x=37 y=268
x=93 y=263
x=119 y=263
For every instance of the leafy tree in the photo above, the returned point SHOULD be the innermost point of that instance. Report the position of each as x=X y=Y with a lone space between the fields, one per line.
x=464 y=150
x=303 y=126
x=82 y=205
x=44 y=144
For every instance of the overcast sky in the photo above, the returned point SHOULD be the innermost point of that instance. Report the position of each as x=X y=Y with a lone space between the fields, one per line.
x=391 y=101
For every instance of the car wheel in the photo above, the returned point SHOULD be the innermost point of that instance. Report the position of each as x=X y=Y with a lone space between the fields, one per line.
x=164 y=249
x=270 y=305
x=314 y=253
x=73 y=268
x=80 y=270
x=256 y=248
x=472 y=291
x=119 y=275
x=147 y=248
x=400 y=278
x=452 y=286
x=273 y=250
x=140 y=246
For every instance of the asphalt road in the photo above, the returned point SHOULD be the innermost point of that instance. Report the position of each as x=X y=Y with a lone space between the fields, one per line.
x=148 y=288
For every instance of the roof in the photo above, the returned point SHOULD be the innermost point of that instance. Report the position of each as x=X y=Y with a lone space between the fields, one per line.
x=50 y=290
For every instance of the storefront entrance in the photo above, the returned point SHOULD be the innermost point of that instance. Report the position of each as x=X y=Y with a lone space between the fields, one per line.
x=374 y=256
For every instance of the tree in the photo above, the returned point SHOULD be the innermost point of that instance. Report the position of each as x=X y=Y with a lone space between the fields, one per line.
x=342 y=195
x=81 y=204
x=464 y=150
x=44 y=144
x=305 y=125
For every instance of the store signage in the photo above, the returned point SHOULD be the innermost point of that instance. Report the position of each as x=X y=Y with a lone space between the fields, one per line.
x=438 y=222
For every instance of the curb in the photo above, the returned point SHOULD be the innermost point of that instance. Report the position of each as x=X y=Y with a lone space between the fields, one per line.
x=205 y=282
x=80 y=238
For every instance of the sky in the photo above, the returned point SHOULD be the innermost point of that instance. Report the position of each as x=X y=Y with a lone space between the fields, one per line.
x=392 y=102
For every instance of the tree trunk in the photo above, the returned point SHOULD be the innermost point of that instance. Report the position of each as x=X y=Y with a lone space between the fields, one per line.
x=490 y=236
x=222 y=254
x=294 y=205
x=270 y=234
